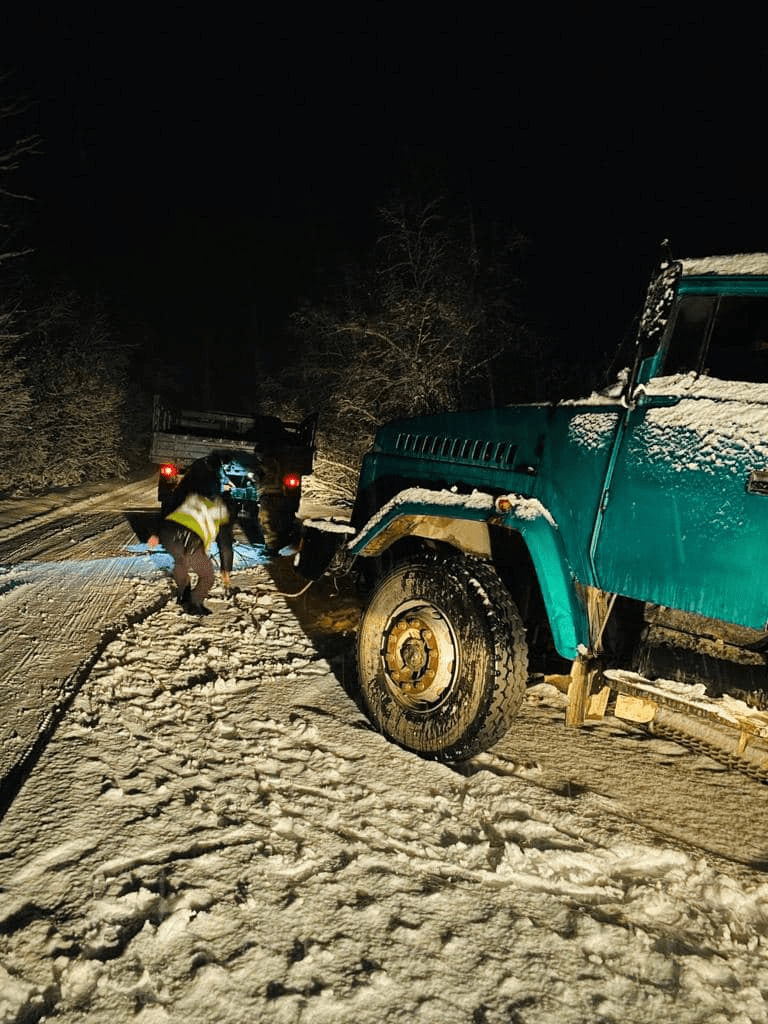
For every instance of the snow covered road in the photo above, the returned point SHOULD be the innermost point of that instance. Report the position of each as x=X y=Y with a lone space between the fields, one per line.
x=67 y=576
x=214 y=833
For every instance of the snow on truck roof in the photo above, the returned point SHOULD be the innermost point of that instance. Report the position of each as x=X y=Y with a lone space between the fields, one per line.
x=740 y=263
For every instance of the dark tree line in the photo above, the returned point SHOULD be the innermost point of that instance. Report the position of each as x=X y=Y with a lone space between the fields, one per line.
x=432 y=319
x=433 y=316
x=64 y=383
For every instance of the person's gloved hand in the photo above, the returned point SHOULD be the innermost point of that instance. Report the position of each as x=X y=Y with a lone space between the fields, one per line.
x=153 y=541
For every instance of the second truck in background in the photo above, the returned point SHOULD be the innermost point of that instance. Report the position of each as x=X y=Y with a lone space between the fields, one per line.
x=263 y=461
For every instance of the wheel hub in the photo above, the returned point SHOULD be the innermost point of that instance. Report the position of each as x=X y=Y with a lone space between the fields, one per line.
x=412 y=655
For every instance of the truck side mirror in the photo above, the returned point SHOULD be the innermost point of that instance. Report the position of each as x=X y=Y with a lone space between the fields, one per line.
x=657 y=308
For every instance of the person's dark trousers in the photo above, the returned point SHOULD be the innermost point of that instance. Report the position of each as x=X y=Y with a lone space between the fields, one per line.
x=189 y=555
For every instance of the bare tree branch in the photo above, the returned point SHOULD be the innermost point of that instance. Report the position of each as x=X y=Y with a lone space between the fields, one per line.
x=431 y=322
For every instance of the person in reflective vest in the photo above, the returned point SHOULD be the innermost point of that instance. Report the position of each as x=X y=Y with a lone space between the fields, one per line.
x=200 y=516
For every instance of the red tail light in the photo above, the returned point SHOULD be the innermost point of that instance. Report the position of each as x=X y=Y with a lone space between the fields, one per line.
x=169 y=471
x=291 y=481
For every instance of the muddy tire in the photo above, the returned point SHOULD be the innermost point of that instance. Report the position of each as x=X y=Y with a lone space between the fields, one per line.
x=442 y=658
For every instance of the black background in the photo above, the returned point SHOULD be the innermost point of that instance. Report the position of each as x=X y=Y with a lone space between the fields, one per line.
x=201 y=164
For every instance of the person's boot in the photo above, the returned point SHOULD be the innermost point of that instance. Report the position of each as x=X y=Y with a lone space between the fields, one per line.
x=184 y=597
x=196 y=609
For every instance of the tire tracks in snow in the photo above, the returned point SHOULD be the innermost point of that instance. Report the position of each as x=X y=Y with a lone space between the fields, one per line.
x=69 y=583
x=214 y=821
x=246 y=834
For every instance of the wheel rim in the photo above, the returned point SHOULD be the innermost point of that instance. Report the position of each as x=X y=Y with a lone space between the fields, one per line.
x=420 y=656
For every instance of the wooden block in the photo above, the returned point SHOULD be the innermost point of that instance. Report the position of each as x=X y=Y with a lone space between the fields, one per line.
x=634 y=709
x=597 y=703
x=578 y=690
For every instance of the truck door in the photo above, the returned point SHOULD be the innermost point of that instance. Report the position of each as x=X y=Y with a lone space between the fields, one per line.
x=684 y=518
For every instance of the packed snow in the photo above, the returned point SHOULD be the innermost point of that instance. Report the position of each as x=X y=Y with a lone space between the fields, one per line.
x=737 y=263
x=214 y=832
x=523 y=508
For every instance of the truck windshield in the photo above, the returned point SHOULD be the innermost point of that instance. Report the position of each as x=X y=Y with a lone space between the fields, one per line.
x=724 y=337
x=689 y=331
x=738 y=344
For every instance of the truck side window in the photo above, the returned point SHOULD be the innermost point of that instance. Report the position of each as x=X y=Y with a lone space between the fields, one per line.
x=738 y=347
x=688 y=334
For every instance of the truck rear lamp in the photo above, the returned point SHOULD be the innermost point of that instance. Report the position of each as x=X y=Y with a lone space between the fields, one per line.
x=291 y=481
x=503 y=504
x=169 y=471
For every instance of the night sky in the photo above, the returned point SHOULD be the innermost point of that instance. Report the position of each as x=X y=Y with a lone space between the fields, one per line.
x=200 y=164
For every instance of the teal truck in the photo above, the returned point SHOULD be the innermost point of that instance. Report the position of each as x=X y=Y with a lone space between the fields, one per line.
x=618 y=543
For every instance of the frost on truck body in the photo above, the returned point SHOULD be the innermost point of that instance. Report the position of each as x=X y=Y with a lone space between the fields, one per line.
x=703 y=435
x=593 y=431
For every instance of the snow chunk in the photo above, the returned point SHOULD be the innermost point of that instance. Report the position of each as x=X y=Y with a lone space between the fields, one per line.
x=19 y=1000
x=528 y=509
x=329 y=525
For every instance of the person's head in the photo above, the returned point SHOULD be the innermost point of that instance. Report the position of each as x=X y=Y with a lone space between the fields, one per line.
x=204 y=476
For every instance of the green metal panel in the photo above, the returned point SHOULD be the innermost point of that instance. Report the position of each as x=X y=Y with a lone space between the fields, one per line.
x=723 y=284
x=561 y=458
x=565 y=611
x=679 y=526
x=418 y=502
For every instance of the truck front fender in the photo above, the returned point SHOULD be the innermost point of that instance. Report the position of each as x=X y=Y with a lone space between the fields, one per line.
x=463 y=520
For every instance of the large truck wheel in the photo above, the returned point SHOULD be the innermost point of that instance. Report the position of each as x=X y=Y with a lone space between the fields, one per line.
x=442 y=658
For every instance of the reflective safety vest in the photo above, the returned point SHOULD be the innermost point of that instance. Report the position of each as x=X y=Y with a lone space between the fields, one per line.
x=203 y=516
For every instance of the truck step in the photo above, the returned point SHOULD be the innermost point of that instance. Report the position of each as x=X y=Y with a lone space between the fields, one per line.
x=724 y=728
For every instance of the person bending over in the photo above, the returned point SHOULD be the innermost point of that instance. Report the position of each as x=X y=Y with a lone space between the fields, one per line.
x=199 y=515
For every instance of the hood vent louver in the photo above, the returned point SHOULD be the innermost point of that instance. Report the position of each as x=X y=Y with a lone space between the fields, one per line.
x=458 y=449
